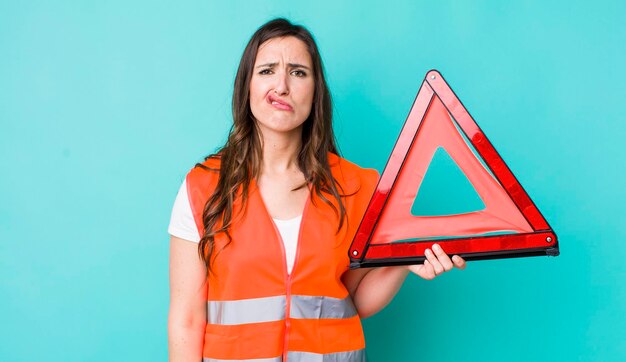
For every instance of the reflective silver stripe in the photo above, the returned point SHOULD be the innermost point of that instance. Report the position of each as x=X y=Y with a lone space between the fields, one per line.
x=275 y=359
x=349 y=356
x=244 y=311
x=313 y=307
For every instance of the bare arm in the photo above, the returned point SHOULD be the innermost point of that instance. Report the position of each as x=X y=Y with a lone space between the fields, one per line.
x=373 y=289
x=188 y=291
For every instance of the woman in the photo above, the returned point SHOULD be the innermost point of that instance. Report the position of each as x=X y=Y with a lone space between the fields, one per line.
x=260 y=231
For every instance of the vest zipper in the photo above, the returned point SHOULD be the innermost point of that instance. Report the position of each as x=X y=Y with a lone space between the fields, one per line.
x=285 y=268
x=289 y=275
x=287 y=283
x=287 y=321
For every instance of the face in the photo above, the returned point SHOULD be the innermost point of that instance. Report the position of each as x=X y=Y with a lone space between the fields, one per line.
x=282 y=85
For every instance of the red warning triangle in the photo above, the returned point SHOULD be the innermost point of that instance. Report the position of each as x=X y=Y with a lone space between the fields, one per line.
x=510 y=225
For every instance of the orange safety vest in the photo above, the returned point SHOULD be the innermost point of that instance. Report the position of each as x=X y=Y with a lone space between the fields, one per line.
x=256 y=310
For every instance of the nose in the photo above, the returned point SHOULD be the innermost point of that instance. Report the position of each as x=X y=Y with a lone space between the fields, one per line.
x=282 y=84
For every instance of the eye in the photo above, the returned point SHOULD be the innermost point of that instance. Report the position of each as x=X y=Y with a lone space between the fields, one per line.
x=265 y=71
x=299 y=73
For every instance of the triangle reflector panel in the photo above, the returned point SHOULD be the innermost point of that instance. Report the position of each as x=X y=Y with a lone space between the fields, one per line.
x=508 y=224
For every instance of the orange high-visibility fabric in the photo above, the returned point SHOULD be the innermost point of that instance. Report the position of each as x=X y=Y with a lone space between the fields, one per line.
x=254 y=266
x=243 y=341
x=326 y=337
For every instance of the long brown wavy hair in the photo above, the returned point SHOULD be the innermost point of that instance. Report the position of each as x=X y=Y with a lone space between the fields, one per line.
x=241 y=156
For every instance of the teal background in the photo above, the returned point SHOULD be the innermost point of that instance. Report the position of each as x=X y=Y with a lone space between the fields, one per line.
x=105 y=105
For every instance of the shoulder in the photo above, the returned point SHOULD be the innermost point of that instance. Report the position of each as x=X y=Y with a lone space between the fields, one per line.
x=201 y=183
x=352 y=176
x=203 y=171
x=210 y=165
x=203 y=177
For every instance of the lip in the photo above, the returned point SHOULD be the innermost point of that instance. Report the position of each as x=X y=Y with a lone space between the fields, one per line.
x=278 y=103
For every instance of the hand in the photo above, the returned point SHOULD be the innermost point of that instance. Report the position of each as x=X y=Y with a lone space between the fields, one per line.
x=437 y=262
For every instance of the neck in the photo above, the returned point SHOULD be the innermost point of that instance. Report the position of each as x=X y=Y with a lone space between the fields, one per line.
x=280 y=151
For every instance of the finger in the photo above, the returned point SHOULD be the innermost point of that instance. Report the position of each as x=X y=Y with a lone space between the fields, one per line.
x=424 y=270
x=428 y=272
x=459 y=262
x=443 y=258
x=434 y=261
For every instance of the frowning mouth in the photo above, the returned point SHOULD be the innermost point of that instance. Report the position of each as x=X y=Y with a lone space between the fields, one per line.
x=278 y=103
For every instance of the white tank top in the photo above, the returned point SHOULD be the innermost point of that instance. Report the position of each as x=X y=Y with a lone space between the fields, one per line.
x=289 y=230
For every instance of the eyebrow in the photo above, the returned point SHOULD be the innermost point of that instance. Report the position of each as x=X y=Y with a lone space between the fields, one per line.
x=292 y=65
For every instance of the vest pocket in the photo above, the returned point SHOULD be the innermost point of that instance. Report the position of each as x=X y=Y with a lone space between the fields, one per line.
x=250 y=341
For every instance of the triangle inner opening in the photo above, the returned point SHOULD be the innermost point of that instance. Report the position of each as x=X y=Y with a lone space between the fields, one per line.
x=445 y=190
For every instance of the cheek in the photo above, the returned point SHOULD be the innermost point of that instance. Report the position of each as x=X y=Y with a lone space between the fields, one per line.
x=255 y=90
x=257 y=96
x=308 y=93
